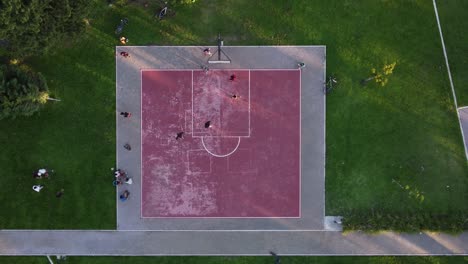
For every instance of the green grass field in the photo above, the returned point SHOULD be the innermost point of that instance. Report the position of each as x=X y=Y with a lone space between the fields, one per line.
x=452 y=15
x=242 y=260
x=378 y=138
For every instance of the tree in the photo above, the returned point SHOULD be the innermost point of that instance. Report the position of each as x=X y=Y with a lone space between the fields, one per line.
x=34 y=26
x=22 y=92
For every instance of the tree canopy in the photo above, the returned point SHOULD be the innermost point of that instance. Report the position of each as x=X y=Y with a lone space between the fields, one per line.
x=30 y=27
x=22 y=92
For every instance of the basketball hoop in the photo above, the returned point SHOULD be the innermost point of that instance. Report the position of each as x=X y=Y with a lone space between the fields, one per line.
x=220 y=60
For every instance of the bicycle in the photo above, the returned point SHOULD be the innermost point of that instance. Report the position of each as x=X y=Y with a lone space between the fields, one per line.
x=120 y=27
x=164 y=12
x=329 y=84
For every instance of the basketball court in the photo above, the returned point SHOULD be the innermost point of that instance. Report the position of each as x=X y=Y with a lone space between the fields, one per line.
x=229 y=148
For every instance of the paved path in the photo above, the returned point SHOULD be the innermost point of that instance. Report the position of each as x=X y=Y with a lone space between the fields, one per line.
x=463 y=114
x=227 y=243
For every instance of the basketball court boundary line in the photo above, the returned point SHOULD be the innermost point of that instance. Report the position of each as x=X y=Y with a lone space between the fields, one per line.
x=324 y=135
x=193 y=132
x=300 y=142
x=141 y=142
x=450 y=76
x=230 y=69
x=250 y=128
x=223 y=217
x=300 y=159
x=235 y=46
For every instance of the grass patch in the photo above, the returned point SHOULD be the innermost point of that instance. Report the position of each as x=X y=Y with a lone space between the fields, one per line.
x=386 y=146
x=452 y=15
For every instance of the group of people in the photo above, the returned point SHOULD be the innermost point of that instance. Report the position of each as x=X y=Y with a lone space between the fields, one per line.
x=121 y=177
x=39 y=174
x=44 y=173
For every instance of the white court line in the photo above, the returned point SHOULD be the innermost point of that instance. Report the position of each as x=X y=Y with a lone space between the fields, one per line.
x=463 y=107
x=222 y=217
x=450 y=75
x=141 y=142
x=193 y=132
x=220 y=156
x=242 y=46
x=249 y=106
x=217 y=136
x=324 y=134
x=230 y=69
x=300 y=142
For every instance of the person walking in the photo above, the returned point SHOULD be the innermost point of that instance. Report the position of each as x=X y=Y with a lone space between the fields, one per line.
x=125 y=114
x=232 y=78
x=208 y=124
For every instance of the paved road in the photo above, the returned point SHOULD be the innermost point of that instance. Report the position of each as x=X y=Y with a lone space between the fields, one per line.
x=227 y=243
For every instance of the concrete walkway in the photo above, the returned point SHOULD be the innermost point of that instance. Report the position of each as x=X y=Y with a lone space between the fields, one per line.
x=227 y=243
x=463 y=115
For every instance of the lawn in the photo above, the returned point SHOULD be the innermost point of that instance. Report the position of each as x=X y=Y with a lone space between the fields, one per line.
x=241 y=260
x=452 y=15
x=378 y=138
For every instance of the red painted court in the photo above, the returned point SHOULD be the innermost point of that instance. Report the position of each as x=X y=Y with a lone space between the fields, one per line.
x=246 y=164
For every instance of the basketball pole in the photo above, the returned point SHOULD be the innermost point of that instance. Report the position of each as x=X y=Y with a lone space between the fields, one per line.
x=219 y=51
x=220 y=43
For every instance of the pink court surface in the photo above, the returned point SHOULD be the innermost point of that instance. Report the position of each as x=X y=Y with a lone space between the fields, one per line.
x=244 y=163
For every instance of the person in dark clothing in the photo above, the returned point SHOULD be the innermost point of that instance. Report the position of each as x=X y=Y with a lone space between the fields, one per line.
x=208 y=124
x=180 y=135
x=125 y=114
x=232 y=78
